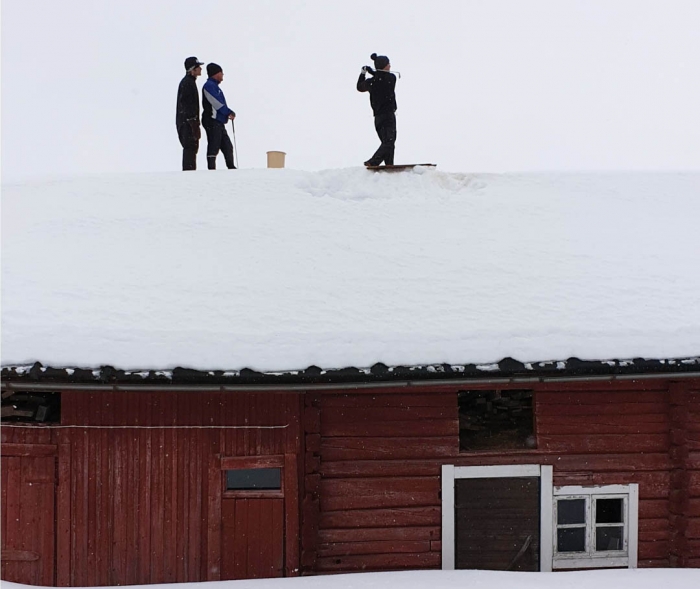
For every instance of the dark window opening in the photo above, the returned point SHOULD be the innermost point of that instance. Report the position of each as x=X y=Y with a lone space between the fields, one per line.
x=254 y=479
x=608 y=536
x=37 y=407
x=571 y=540
x=608 y=511
x=495 y=419
x=571 y=525
x=607 y=539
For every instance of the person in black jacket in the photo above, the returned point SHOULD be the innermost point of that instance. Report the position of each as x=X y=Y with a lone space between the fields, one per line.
x=382 y=97
x=187 y=116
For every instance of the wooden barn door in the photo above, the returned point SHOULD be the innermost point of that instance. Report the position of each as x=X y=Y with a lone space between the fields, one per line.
x=498 y=518
x=259 y=517
x=497 y=524
x=28 y=514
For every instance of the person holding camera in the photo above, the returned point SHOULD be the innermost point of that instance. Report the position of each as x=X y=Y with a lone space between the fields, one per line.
x=382 y=97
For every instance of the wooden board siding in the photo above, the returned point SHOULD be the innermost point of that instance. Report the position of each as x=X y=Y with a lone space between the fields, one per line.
x=140 y=505
x=685 y=475
x=253 y=537
x=380 y=479
x=622 y=437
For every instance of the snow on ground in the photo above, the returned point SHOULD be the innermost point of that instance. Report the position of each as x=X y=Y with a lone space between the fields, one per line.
x=281 y=269
x=605 y=579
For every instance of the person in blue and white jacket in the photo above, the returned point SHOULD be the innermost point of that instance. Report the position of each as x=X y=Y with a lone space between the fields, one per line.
x=215 y=115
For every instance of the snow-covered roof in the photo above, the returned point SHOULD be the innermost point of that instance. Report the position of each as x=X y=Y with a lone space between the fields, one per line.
x=279 y=270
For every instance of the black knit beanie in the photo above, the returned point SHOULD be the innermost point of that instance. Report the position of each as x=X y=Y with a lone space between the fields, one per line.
x=213 y=69
x=380 y=61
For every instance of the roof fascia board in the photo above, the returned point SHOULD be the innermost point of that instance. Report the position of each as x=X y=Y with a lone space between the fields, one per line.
x=409 y=384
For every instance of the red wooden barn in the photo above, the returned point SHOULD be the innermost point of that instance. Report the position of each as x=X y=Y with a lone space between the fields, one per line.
x=111 y=478
x=441 y=457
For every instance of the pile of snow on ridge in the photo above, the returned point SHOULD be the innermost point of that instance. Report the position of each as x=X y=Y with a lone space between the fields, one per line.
x=279 y=269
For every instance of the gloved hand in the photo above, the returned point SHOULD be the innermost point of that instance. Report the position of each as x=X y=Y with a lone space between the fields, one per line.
x=367 y=70
x=196 y=130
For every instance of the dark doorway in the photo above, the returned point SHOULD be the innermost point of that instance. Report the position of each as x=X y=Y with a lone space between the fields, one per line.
x=497 y=524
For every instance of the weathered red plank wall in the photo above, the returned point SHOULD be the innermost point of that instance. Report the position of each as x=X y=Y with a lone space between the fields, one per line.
x=28 y=508
x=692 y=464
x=605 y=434
x=136 y=504
x=140 y=505
x=685 y=474
x=378 y=479
x=377 y=456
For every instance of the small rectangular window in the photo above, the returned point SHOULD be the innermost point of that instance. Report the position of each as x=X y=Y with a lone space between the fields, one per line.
x=31 y=406
x=609 y=534
x=254 y=479
x=595 y=526
x=571 y=525
x=495 y=419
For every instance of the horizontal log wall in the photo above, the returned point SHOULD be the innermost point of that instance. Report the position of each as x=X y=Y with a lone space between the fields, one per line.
x=613 y=435
x=685 y=475
x=371 y=461
x=379 y=487
x=692 y=464
x=378 y=468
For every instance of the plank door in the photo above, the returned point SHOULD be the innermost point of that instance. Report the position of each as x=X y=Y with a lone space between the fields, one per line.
x=259 y=517
x=252 y=538
x=497 y=523
x=28 y=519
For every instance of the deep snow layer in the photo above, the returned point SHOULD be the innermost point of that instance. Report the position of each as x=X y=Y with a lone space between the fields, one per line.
x=606 y=579
x=280 y=269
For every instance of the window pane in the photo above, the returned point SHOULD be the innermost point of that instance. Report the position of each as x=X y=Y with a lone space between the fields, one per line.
x=251 y=479
x=608 y=511
x=571 y=511
x=571 y=540
x=608 y=538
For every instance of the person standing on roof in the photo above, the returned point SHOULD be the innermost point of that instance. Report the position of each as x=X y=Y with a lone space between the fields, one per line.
x=381 y=87
x=215 y=115
x=187 y=113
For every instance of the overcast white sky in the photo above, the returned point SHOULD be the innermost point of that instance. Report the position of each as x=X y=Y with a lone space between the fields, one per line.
x=487 y=85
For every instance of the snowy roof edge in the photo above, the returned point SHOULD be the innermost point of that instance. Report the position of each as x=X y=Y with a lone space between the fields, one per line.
x=506 y=368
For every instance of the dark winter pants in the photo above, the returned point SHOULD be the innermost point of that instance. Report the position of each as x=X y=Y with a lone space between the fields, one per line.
x=190 y=146
x=386 y=129
x=218 y=140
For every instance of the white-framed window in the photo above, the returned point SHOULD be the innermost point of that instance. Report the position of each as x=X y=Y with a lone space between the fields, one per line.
x=595 y=527
x=589 y=527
